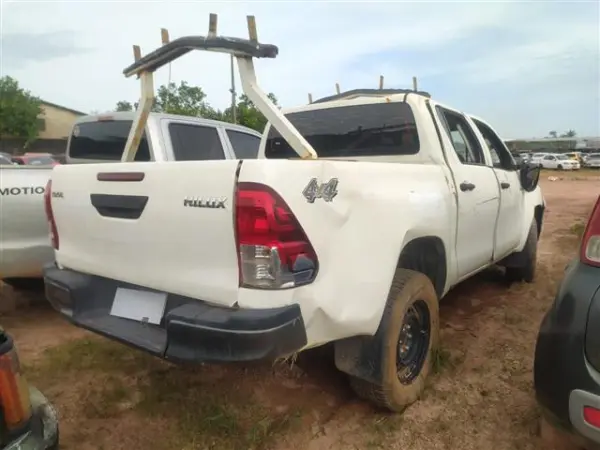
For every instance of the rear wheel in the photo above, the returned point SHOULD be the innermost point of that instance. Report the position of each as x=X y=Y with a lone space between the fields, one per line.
x=560 y=167
x=407 y=337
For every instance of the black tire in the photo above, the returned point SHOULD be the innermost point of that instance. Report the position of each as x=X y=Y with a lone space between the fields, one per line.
x=25 y=284
x=409 y=288
x=560 y=167
x=527 y=257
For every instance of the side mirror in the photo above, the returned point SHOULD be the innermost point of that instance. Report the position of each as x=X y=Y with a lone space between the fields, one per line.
x=529 y=176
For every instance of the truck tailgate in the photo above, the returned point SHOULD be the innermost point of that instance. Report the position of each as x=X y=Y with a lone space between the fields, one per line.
x=172 y=231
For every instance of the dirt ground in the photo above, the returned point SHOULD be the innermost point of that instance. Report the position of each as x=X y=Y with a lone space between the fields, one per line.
x=113 y=397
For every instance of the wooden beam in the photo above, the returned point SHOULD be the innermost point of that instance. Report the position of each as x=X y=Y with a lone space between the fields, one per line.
x=252 y=33
x=212 y=25
x=137 y=53
x=164 y=36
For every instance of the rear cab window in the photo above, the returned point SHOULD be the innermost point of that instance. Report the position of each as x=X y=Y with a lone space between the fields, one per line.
x=374 y=129
x=245 y=146
x=195 y=142
x=104 y=140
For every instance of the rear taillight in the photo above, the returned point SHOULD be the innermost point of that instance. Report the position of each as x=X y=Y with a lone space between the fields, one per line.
x=590 y=243
x=591 y=416
x=273 y=250
x=50 y=215
x=14 y=392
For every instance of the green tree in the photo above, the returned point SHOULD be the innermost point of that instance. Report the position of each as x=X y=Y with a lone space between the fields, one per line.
x=187 y=100
x=184 y=100
x=569 y=134
x=247 y=114
x=19 y=111
x=553 y=134
x=124 y=106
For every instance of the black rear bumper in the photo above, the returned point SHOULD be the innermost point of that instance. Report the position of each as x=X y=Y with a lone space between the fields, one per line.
x=190 y=330
x=565 y=378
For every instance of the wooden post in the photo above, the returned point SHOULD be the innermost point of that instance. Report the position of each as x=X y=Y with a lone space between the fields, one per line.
x=337 y=88
x=380 y=81
x=252 y=34
x=309 y=97
x=164 y=35
x=137 y=53
x=212 y=25
x=415 y=84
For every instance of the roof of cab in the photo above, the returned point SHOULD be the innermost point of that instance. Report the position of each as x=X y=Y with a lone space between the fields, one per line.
x=361 y=96
x=130 y=115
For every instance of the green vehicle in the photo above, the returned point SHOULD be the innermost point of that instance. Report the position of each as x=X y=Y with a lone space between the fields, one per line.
x=27 y=420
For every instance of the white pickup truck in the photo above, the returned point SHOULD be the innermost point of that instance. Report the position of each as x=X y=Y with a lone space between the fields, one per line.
x=24 y=242
x=361 y=213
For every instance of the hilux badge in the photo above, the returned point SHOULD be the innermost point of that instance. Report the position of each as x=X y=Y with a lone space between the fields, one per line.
x=326 y=191
x=210 y=202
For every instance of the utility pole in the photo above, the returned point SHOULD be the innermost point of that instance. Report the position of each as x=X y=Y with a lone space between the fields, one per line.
x=232 y=90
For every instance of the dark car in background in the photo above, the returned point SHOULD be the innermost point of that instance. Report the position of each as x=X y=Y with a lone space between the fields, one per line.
x=567 y=354
x=27 y=420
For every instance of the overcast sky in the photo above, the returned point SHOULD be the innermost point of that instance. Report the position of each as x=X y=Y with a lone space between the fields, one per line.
x=526 y=67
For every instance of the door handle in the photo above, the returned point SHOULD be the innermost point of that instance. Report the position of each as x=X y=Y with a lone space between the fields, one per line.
x=504 y=185
x=466 y=186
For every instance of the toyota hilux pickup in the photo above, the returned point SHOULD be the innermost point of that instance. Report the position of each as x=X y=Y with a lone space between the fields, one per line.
x=362 y=211
x=24 y=239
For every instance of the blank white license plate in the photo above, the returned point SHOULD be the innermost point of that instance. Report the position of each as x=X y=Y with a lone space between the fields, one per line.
x=142 y=306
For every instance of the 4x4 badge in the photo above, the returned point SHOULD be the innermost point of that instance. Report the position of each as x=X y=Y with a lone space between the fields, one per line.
x=326 y=191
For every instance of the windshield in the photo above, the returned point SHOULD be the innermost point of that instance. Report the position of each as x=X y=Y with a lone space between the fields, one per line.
x=374 y=129
x=104 y=140
x=561 y=157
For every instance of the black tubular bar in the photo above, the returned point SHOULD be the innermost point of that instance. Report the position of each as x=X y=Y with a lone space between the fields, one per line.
x=183 y=45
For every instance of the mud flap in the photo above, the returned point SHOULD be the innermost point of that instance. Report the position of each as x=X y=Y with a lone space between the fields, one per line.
x=360 y=356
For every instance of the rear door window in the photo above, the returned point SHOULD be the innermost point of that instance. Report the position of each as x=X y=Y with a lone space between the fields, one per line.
x=195 y=142
x=374 y=129
x=245 y=146
x=104 y=140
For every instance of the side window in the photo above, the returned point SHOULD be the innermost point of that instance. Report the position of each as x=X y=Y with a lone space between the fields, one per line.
x=195 y=142
x=245 y=146
x=501 y=157
x=549 y=158
x=463 y=139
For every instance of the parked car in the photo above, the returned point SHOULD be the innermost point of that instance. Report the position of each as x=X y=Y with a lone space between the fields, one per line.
x=167 y=137
x=24 y=242
x=559 y=162
x=33 y=159
x=592 y=160
x=567 y=354
x=575 y=156
x=4 y=161
x=396 y=200
x=27 y=419
x=536 y=158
